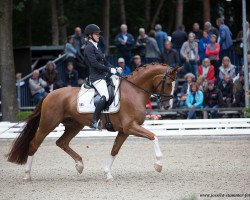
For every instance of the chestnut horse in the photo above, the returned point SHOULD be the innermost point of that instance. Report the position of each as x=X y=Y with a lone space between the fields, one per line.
x=60 y=107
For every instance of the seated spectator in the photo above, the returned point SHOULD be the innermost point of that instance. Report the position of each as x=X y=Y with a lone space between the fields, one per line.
x=18 y=80
x=70 y=50
x=136 y=62
x=212 y=99
x=37 y=86
x=71 y=76
x=204 y=41
x=198 y=33
x=185 y=90
x=160 y=36
x=212 y=52
x=141 y=43
x=206 y=70
x=50 y=75
x=239 y=92
x=226 y=68
x=201 y=82
x=125 y=69
x=226 y=88
x=194 y=100
x=169 y=55
x=152 y=50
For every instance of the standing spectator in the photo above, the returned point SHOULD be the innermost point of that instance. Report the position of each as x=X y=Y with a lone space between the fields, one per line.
x=189 y=51
x=206 y=70
x=170 y=56
x=70 y=50
x=212 y=99
x=225 y=38
x=160 y=36
x=226 y=68
x=71 y=76
x=204 y=41
x=141 y=43
x=178 y=38
x=136 y=62
x=212 y=52
x=194 y=100
x=152 y=51
x=239 y=92
x=50 y=75
x=124 y=42
x=226 y=87
x=37 y=86
x=198 y=33
x=210 y=29
x=125 y=69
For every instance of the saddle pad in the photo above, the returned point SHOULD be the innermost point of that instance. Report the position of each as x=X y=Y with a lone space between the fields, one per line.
x=85 y=100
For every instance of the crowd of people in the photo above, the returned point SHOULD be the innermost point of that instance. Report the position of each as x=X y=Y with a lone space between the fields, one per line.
x=211 y=80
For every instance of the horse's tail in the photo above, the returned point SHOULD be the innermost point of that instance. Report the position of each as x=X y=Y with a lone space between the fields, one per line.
x=20 y=148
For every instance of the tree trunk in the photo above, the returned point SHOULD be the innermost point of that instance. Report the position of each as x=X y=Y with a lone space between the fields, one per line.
x=171 y=19
x=157 y=13
x=123 y=13
x=179 y=13
x=206 y=11
x=62 y=21
x=28 y=17
x=54 y=23
x=106 y=9
x=7 y=70
x=147 y=13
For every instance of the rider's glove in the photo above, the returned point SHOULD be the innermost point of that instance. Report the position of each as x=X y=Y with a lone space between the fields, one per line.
x=113 y=70
x=119 y=70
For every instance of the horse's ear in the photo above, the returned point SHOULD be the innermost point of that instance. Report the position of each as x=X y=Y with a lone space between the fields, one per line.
x=177 y=69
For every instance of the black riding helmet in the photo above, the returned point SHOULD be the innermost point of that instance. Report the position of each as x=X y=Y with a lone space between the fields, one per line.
x=91 y=28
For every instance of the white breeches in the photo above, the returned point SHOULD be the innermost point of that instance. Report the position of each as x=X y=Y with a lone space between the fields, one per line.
x=101 y=87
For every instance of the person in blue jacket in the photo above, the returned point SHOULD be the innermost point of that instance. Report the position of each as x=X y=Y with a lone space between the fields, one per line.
x=99 y=69
x=194 y=100
x=204 y=41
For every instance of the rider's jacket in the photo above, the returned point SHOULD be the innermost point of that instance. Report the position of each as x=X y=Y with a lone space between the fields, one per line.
x=99 y=67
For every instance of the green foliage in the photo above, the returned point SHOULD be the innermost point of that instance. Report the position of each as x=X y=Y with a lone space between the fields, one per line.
x=22 y=115
x=20 y=5
x=246 y=112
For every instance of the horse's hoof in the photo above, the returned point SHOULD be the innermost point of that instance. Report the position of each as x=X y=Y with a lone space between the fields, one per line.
x=79 y=166
x=158 y=167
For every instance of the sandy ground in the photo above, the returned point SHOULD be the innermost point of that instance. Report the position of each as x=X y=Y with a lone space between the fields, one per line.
x=219 y=166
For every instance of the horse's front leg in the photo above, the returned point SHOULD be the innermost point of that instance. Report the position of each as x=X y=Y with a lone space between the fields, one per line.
x=119 y=140
x=139 y=131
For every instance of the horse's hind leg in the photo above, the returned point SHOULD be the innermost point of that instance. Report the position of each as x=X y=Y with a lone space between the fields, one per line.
x=119 y=140
x=71 y=130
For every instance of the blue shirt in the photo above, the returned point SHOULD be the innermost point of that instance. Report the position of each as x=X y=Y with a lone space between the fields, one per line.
x=161 y=37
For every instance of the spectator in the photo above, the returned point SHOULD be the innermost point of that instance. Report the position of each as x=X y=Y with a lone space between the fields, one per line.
x=242 y=70
x=37 y=86
x=124 y=42
x=152 y=51
x=210 y=29
x=239 y=92
x=189 y=77
x=198 y=33
x=194 y=100
x=70 y=50
x=102 y=44
x=178 y=38
x=160 y=36
x=18 y=78
x=206 y=70
x=212 y=52
x=204 y=41
x=189 y=51
x=141 y=43
x=225 y=38
x=170 y=56
x=136 y=62
x=71 y=76
x=226 y=68
x=125 y=69
x=226 y=87
x=50 y=75
x=212 y=99
x=201 y=82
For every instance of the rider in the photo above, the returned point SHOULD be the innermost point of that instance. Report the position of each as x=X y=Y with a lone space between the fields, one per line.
x=99 y=68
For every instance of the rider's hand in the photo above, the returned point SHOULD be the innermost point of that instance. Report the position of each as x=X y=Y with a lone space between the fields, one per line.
x=119 y=70
x=113 y=70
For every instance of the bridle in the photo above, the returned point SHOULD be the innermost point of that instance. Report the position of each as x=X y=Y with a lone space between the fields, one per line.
x=161 y=83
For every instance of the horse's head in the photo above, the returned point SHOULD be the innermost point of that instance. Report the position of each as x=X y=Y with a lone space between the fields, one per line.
x=164 y=85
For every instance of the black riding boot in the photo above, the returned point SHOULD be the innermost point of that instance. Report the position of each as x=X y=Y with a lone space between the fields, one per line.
x=97 y=114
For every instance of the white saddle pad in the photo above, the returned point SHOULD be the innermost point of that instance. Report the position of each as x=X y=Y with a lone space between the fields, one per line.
x=85 y=100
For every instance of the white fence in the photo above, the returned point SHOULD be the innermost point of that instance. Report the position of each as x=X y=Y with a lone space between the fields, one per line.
x=231 y=126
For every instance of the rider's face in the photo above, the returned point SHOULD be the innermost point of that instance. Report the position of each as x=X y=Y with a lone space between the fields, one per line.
x=96 y=36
